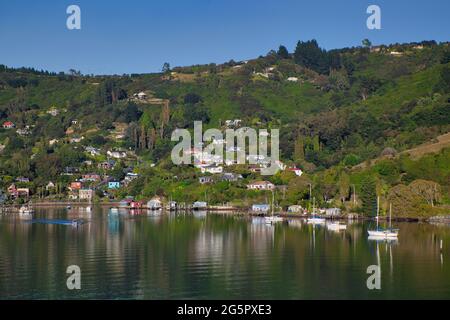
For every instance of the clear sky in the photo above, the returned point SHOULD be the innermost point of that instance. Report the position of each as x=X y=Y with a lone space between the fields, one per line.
x=138 y=36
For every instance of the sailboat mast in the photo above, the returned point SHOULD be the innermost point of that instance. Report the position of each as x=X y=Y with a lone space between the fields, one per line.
x=273 y=199
x=390 y=215
x=378 y=209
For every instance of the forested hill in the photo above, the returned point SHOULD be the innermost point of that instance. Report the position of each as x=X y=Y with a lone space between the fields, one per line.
x=335 y=109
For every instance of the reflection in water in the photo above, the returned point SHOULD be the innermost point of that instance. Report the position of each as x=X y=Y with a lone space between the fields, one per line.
x=150 y=254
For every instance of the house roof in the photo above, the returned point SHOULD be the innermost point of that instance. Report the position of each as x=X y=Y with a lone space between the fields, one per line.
x=261 y=183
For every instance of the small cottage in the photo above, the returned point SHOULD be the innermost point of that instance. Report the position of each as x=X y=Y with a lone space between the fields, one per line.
x=260 y=208
x=206 y=179
x=113 y=185
x=155 y=203
x=295 y=209
x=199 y=205
x=261 y=185
x=8 y=125
x=86 y=194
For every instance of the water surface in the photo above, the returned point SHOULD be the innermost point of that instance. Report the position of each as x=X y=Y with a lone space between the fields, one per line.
x=140 y=255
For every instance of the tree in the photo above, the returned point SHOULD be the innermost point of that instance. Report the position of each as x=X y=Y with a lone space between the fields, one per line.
x=310 y=55
x=445 y=57
x=109 y=92
x=344 y=186
x=405 y=202
x=192 y=98
x=366 y=43
x=299 y=150
x=339 y=80
x=298 y=189
x=131 y=113
x=74 y=73
x=368 y=85
x=283 y=52
x=430 y=191
x=166 y=67
x=444 y=80
x=369 y=196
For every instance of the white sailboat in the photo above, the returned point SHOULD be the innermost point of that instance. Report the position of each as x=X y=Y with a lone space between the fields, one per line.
x=315 y=219
x=379 y=232
x=273 y=219
x=26 y=211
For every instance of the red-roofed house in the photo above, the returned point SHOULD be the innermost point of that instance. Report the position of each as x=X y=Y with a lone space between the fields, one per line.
x=8 y=125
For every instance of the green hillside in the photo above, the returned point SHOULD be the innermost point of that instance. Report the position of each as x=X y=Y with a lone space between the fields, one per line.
x=335 y=109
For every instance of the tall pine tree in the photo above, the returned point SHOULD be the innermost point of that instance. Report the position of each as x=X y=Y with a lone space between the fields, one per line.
x=369 y=196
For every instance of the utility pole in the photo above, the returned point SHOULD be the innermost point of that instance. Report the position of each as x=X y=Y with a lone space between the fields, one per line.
x=354 y=195
x=310 y=191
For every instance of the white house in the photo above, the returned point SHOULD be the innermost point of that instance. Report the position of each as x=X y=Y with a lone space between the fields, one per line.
x=50 y=186
x=117 y=154
x=76 y=139
x=23 y=132
x=261 y=185
x=53 y=112
x=130 y=176
x=86 y=194
x=92 y=151
x=212 y=169
x=205 y=179
x=295 y=209
x=200 y=205
x=292 y=79
x=233 y=123
x=155 y=203
x=333 y=212
x=260 y=208
x=142 y=95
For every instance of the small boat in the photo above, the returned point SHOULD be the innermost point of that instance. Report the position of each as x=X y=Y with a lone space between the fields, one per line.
x=383 y=239
x=68 y=207
x=73 y=223
x=384 y=233
x=26 y=211
x=88 y=209
x=380 y=232
x=336 y=226
x=315 y=219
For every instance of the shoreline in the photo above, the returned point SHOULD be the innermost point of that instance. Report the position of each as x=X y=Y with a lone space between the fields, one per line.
x=240 y=211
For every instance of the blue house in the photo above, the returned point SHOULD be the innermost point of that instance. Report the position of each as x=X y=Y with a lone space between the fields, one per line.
x=113 y=185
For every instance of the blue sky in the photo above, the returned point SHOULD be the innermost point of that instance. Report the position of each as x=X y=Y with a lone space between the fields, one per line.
x=138 y=36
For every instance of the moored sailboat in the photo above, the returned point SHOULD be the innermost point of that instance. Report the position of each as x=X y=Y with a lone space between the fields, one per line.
x=380 y=232
x=273 y=219
x=26 y=210
x=315 y=219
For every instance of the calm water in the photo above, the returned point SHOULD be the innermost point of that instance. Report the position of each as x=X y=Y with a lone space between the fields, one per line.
x=214 y=256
